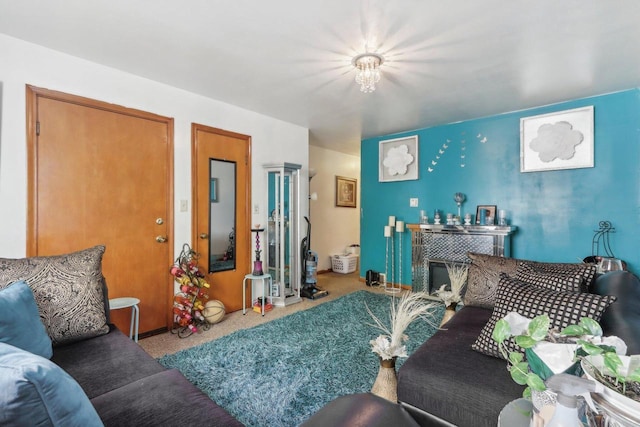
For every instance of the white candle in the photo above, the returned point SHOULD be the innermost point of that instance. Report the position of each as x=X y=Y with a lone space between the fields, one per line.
x=400 y=226
x=392 y=221
x=387 y=231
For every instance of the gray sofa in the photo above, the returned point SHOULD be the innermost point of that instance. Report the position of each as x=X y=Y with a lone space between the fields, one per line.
x=60 y=305
x=445 y=382
x=127 y=387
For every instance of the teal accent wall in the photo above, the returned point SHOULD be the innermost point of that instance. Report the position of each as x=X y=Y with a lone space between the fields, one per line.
x=556 y=212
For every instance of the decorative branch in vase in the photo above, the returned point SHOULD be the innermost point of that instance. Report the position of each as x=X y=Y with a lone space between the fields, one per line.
x=451 y=298
x=391 y=345
x=458 y=278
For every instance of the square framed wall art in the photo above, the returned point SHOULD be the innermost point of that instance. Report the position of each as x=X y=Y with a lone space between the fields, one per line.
x=398 y=159
x=554 y=141
x=346 y=192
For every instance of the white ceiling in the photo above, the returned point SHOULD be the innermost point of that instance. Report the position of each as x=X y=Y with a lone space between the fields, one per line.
x=445 y=61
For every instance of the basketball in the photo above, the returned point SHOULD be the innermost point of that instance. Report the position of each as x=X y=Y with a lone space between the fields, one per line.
x=213 y=311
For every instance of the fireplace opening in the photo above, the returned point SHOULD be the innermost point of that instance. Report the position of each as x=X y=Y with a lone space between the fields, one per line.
x=439 y=275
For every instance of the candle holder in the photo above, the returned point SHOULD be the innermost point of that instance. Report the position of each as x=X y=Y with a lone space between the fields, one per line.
x=459 y=198
x=257 y=264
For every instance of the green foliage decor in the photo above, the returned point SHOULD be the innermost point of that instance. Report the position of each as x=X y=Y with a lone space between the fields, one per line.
x=528 y=372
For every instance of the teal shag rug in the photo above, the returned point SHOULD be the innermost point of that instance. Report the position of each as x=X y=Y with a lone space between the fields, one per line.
x=282 y=372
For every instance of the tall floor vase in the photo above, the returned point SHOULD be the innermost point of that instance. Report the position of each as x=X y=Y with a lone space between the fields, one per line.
x=386 y=384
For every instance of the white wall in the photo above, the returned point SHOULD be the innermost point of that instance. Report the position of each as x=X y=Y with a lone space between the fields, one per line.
x=24 y=63
x=332 y=228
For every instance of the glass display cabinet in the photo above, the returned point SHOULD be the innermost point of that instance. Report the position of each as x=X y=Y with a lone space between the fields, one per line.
x=283 y=258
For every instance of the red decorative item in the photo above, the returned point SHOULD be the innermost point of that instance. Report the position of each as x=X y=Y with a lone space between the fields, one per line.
x=189 y=302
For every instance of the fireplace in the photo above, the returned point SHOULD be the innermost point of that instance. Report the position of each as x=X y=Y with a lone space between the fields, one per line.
x=434 y=246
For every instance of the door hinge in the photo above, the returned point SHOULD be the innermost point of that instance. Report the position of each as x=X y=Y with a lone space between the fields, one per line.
x=37 y=128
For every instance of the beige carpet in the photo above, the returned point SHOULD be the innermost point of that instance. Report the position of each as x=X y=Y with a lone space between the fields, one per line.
x=336 y=284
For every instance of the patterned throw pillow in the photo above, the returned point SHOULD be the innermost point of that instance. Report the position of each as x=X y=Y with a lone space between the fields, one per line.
x=483 y=278
x=67 y=289
x=563 y=308
x=569 y=282
x=587 y=271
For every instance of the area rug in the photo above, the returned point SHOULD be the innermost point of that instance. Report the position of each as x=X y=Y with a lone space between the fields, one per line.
x=283 y=371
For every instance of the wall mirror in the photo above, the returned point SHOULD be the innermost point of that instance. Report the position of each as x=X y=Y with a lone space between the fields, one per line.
x=222 y=215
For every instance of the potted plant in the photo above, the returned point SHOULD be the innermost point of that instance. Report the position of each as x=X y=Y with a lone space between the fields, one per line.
x=571 y=350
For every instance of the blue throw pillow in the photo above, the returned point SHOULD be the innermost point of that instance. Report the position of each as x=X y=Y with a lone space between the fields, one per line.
x=35 y=391
x=20 y=323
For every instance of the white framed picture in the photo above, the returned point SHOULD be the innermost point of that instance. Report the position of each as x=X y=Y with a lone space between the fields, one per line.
x=398 y=159
x=554 y=141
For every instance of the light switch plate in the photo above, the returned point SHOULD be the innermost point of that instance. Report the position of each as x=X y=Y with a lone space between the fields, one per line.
x=413 y=202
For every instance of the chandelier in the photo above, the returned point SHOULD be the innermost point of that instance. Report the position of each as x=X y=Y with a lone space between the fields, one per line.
x=368 y=65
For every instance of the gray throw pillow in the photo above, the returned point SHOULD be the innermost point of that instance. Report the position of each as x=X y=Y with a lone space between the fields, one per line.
x=563 y=308
x=68 y=290
x=483 y=277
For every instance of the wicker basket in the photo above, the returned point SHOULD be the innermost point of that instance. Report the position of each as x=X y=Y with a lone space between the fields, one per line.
x=344 y=263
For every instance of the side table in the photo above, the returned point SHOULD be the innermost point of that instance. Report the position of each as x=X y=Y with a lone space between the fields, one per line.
x=126 y=302
x=266 y=281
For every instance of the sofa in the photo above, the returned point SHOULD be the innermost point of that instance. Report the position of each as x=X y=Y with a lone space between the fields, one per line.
x=62 y=362
x=449 y=381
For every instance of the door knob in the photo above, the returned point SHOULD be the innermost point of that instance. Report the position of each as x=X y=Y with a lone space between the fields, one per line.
x=161 y=239
x=204 y=236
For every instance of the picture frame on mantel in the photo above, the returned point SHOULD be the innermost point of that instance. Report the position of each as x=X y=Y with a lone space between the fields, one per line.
x=398 y=159
x=491 y=215
x=555 y=141
x=346 y=192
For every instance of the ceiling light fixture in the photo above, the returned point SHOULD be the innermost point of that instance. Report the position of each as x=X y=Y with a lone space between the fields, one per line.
x=368 y=65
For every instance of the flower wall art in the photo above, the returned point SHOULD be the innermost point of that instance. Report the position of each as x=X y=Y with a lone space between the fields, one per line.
x=398 y=159
x=562 y=140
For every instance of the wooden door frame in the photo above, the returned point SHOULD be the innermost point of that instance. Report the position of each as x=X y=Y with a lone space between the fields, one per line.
x=195 y=127
x=33 y=93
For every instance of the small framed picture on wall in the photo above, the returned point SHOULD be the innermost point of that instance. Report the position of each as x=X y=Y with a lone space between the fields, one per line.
x=346 y=192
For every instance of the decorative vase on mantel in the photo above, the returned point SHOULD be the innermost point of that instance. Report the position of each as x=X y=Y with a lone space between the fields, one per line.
x=386 y=384
x=448 y=313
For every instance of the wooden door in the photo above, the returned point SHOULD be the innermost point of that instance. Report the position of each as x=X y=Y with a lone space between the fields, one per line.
x=103 y=174
x=215 y=144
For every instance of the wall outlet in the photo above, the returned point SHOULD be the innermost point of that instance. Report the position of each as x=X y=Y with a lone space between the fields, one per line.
x=413 y=202
x=383 y=279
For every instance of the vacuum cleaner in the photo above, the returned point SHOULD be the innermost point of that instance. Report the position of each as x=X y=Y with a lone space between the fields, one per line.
x=310 y=268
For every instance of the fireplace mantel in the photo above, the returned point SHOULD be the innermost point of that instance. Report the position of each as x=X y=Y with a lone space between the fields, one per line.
x=432 y=246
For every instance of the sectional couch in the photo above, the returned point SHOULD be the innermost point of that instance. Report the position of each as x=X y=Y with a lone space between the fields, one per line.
x=63 y=364
x=456 y=379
